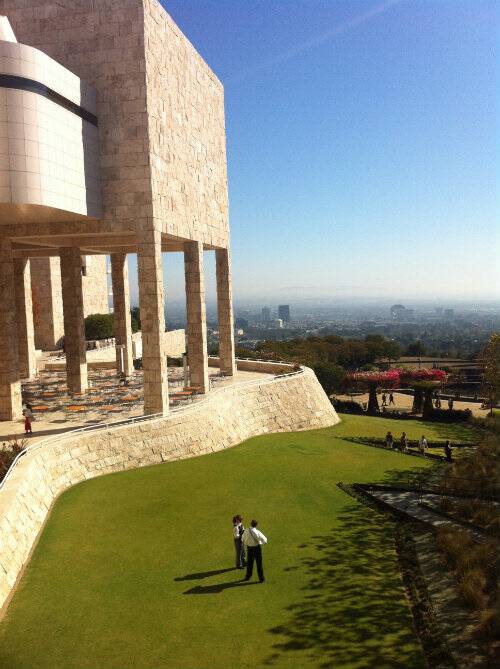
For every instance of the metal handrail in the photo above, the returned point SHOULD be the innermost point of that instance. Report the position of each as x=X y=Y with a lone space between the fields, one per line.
x=138 y=419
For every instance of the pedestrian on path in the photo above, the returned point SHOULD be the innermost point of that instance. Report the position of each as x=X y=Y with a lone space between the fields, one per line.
x=422 y=445
x=384 y=400
x=389 y=440
x=254 y=540
x=27 y=425
x=450 y=404
x=391 y=399
x=239 y=546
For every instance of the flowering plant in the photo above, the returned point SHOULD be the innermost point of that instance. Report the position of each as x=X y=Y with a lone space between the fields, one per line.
x=389 y=378
x=424 y=374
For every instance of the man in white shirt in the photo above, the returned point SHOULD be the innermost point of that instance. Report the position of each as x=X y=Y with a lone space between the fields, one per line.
x=254 y=540
x=422 y=445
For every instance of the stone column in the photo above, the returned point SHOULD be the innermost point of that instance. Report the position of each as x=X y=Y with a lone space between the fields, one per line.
x=121 y=308
x=225 y=311
x=154 y=359
x=196 y=315
x=74 y=327
x=10 y=385
x=24 y=311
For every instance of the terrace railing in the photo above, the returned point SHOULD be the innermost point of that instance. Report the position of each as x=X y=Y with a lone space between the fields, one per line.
x=107 y=425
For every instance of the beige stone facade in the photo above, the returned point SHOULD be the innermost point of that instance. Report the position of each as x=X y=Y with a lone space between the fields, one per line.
x=227 y=417
x=144 y=117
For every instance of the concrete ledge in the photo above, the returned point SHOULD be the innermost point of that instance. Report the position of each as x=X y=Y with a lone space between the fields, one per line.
x=225 y=418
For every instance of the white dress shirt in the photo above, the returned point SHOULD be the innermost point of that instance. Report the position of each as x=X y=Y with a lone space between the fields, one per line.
x=253 y=537
x=236 y=530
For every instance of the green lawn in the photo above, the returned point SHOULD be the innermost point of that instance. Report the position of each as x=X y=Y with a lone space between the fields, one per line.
x=135 y=569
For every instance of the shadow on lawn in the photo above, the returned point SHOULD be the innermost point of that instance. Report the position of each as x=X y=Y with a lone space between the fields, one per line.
x=213 y=589
x=352 y=611
x=204 y=574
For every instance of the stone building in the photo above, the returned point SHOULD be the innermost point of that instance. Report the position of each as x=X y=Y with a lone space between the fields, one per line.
x=112 y=141
x=46 y=293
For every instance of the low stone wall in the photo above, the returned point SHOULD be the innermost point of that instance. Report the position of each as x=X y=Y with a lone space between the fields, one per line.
x=225 y=418
x=256 y=366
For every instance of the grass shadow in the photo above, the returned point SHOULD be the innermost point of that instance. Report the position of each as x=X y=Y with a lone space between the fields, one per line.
x=353 y=611
x=204 y=574
x=219 y=587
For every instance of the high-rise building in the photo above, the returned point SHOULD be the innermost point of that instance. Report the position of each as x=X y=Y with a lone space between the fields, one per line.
x=284 y=312
x=266 y=314
x=397 y=312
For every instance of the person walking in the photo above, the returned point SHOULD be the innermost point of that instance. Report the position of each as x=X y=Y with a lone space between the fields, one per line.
x=27 y=424
x=448 y=451
x=391 y=399
x=450 y=404
x=384 y=400
x=389 y=440
x=239 y=546
x=254 y=540
x=422 y=445
x=404 y=442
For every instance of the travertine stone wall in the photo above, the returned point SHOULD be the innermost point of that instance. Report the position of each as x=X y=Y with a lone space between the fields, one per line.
x=74 y=327
x=160 y=110
x=225 y=311
x=187 y=139
x=121 y=310
x=95 y=286
x=24 y=318
x=196 y=316
x=10 y=386
x=226 y=417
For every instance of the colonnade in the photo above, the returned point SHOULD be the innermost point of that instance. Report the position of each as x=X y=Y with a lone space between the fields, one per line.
x=17 y=349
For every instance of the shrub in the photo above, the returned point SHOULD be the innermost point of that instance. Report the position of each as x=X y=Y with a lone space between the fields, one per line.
x=348 y=406
x=449 y=416
x=99 y=326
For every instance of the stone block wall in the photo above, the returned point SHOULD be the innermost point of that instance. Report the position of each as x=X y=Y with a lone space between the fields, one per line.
x=225 y=418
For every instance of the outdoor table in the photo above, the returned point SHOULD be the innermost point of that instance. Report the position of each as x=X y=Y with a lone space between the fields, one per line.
x=76 y=407
x=41 y=407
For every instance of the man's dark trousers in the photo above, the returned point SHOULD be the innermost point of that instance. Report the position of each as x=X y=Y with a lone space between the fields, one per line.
x=254 y=553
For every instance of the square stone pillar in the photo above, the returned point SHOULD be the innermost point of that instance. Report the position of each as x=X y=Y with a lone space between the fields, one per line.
x=10 y=385
x=74 y=326
x=196 y=315
x=121 y=308
x=225 y=311
x=151 y=302
x=24 y=312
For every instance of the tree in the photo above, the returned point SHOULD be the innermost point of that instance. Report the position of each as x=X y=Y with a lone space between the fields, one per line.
x=99 y=326
x=135 y=319
x=331 y=377
x=415 y=348
x=491 y=377
x=371 y=381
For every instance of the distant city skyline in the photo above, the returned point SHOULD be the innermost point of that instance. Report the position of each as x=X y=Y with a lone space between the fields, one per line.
x=361 y=156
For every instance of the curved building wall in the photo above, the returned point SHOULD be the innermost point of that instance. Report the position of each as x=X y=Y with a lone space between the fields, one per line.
x=225 y=418
x=48 y=138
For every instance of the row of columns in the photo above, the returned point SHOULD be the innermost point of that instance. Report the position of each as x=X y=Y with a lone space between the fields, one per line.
x=17 y=351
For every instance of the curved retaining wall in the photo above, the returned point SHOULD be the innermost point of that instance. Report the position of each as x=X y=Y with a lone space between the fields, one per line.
x=227 y=417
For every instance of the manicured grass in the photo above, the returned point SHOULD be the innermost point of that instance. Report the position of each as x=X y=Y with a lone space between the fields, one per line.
x=134 y=569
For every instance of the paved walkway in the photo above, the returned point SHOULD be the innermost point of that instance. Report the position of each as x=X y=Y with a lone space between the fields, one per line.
x=410 y=503
x=405 y=402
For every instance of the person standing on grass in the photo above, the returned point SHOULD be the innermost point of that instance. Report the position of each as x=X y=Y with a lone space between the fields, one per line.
x=404 y=442
x=389 y=440
x=27 y=425
x=448 y=451
x=239 y=546
x=254 y=540
x=422 y=445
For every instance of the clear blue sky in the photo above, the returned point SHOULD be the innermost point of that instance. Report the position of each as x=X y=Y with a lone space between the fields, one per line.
x=361 y=145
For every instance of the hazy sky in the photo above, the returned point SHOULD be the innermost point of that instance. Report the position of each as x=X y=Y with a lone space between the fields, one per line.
x=361 y=149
